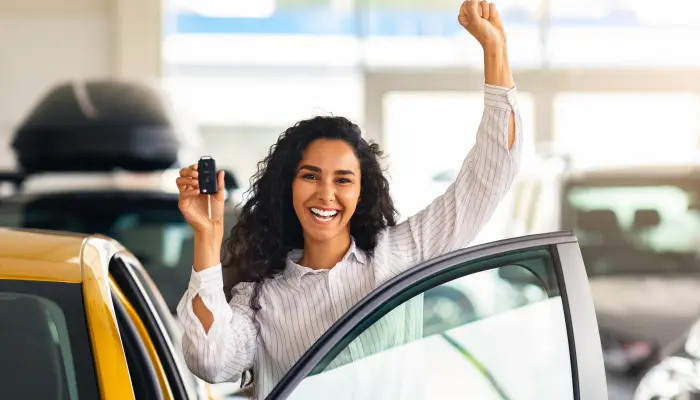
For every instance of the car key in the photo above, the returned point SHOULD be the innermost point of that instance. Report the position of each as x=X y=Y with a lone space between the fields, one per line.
x=206 y=176
x=206 y=168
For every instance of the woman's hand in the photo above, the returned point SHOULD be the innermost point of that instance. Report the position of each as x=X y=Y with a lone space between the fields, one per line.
x=481 y=19
x=195 y=206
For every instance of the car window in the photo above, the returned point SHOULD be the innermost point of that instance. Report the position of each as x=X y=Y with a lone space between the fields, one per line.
x=512 y=342
x=45 y=350
x=636 y=227
x=148 y=224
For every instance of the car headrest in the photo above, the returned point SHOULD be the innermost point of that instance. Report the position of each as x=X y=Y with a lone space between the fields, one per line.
x=598 y=221
x=646 y=218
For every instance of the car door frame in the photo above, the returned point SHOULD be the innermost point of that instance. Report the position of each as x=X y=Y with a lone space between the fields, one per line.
x=582 y=331
x=143 y=304
x=161 y=309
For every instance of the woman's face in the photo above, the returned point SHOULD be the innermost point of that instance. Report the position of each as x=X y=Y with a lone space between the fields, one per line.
x=326 y=189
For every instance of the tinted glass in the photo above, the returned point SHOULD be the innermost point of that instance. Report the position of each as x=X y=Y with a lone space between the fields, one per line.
x=508 y=341
x=149 y=225
x=636 y=227
x=45 y=350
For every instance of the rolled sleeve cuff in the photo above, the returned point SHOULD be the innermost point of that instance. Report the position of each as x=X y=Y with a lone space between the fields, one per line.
x=206 y=280
x=208 y=285
x=500 y=97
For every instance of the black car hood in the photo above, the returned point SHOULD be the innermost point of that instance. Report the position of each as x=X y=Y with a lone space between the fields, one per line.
x=654 y=308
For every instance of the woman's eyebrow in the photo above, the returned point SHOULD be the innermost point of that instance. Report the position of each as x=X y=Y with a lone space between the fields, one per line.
x=317 y=169
x=310 y=168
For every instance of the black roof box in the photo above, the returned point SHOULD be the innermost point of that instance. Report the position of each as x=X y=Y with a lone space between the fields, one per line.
x=98 y=125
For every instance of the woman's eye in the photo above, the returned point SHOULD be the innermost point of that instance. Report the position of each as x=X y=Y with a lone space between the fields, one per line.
x=344 y=180
x=309 y=176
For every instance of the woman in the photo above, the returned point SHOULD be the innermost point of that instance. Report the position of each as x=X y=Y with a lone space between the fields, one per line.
x=319 y=231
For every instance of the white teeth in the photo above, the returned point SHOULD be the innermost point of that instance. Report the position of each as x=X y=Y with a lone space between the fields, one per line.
x=325 y=215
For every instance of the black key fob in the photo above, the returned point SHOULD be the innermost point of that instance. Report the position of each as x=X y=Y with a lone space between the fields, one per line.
x=206 y=168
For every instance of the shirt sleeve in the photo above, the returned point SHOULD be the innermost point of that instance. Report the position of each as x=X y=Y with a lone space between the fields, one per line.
x=228 y=349
x=455 y=218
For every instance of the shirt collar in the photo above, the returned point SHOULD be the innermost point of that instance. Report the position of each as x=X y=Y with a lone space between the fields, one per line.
x=295 y=271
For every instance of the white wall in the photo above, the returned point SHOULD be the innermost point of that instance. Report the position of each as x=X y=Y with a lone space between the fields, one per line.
x=43 y=42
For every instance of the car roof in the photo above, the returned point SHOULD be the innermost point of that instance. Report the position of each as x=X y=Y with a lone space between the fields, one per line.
x=665 y=170
x=32 y=254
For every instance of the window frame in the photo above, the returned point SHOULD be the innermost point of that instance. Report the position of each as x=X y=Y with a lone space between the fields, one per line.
x=192 y=383
x=121 y=268
x=147 y=367
x=582 y=327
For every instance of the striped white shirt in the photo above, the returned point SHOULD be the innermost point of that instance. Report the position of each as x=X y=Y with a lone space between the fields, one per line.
x=300 y=304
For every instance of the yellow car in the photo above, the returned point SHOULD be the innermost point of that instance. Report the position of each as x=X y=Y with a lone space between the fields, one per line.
x=80 y=318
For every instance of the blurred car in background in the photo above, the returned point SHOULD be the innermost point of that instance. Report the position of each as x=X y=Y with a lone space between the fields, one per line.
x=677 y=376
x=639 y=231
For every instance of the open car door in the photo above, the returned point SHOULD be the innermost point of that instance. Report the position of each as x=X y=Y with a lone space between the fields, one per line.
x=536 y=339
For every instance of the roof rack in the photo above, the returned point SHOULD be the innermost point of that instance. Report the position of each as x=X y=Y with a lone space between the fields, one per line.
x=15 y=178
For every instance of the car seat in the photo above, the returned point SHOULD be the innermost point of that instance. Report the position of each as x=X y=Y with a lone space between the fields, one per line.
x=599 y=227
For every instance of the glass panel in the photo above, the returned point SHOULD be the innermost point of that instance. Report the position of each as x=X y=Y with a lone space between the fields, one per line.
x=636 y=226
x=44 y=339
x=450 y=121
x=591 y=33
x=633 y=127
x=339 y=32
x=425 y=33
x=495 y=334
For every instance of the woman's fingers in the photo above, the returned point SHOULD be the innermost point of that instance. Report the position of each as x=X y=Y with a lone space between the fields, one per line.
x=189 y=194
x=485 y=9
x=220 y=193
x=187 y=181
x=188 y=173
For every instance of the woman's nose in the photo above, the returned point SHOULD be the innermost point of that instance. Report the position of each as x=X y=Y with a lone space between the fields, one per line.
x=325 y=191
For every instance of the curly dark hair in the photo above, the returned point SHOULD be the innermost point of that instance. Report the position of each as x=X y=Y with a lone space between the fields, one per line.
x=268 y=227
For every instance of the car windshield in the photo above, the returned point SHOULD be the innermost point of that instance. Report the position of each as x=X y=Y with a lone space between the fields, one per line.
x=628 y=227
x=44 y=342
x=148 y=224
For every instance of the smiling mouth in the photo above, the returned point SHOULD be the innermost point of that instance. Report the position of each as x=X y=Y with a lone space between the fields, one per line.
x=323 y=215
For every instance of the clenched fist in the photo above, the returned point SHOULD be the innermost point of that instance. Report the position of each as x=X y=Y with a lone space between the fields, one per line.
x=481 y=19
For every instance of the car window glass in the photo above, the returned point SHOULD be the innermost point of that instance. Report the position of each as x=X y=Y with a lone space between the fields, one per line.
x=44 y=338
x=636 y=228
x=500 y=335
